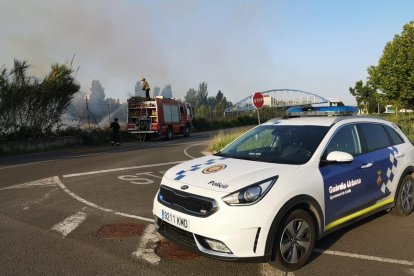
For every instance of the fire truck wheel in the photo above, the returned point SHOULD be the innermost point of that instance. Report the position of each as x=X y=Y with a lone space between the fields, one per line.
x=169 y=135
x=187 y=131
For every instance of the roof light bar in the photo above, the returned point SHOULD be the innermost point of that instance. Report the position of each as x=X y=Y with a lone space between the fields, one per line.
x=308 y=111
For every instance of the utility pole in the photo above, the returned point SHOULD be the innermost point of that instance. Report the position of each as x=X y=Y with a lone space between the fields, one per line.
x=88 y=112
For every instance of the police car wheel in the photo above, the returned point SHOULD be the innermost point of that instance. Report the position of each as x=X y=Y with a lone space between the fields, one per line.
x=295 y=241
x=404 y=201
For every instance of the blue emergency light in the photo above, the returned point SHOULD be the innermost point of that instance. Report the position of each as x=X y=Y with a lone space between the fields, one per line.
x=307 y=111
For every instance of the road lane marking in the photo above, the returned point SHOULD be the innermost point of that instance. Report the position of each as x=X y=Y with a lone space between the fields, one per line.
x=172 y=143
x=46 y=182
x=69 y=224
x=122 y=169
x=31 y=163
x=147 y=245
x=364 y=257
x=138 y=179
x=84 y=201
x=185 y=150
x=153 y=175
x=43 y=198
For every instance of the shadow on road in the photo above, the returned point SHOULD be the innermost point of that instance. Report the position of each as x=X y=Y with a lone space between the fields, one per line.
x=327 y=242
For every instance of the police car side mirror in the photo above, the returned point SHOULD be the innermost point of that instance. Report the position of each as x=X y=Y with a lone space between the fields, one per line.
x=339 y=157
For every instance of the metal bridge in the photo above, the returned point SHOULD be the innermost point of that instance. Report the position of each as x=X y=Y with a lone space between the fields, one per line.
x=278 y=98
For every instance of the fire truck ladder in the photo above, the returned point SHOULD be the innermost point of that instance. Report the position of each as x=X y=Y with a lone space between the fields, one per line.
x=143 y=124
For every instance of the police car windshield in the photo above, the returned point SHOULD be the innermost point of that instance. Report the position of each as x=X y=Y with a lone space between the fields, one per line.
x=283 y=144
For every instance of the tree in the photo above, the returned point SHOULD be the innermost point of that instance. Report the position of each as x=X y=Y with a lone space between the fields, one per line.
x=219 y=96
x=203 y=112
x=138 y=90
x=365 y=95
x=219 y=109
x=97 y=91
x=221 y=99
x=156 y=91
x=97 y=102
x=202 y=94
x=30 y=107
x=57 y=90
x=191 y=97
x=211 y=102
x=167 y=91
x=198 y=98
x=394 y=74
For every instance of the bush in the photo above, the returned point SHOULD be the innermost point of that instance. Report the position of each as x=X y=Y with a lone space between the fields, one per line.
x=246 y=120
x=31 y=107
x=201 y=124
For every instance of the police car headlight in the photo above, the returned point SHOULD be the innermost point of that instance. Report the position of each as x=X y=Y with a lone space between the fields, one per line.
x=251 y=194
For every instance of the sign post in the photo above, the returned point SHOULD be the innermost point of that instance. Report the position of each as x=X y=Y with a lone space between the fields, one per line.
x=258 y=102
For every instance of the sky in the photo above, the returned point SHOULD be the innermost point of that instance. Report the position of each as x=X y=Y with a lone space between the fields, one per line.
x=236 y=46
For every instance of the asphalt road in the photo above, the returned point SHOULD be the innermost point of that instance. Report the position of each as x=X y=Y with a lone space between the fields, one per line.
x=54 y=207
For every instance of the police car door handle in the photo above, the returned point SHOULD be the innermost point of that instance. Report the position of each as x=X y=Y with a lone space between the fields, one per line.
x=399 y=155
x=366 y=166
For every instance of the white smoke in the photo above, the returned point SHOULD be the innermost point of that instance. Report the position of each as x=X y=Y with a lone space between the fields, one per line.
x=118 y=42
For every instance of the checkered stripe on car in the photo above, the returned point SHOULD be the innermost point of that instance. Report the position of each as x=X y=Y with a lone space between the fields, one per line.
x=183 y=173
x=391 y=166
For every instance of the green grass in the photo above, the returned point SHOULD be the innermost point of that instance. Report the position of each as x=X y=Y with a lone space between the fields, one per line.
x=225 y=137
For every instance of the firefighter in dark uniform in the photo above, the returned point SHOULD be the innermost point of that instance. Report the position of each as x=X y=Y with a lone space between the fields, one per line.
x=115 y=132
x=145 y=86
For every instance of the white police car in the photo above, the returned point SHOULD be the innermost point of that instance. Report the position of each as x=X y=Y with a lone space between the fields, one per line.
x=274 y=191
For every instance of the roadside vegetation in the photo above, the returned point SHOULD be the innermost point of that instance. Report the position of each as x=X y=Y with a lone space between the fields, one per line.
x=31 y=107
x=225 y=137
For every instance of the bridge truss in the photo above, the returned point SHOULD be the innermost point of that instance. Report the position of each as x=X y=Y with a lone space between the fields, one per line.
x=278 y=98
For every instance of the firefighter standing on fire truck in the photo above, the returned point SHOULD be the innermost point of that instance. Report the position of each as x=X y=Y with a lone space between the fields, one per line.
x=145 y=86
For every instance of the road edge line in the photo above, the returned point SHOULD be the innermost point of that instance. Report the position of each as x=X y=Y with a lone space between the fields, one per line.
x=84 y=201
x=121 y=169
x=364 y=257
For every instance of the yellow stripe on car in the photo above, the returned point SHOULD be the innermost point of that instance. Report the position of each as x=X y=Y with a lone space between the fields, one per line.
x=358 y=214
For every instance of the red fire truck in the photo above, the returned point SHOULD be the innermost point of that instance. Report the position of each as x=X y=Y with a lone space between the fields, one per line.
x=159 y=117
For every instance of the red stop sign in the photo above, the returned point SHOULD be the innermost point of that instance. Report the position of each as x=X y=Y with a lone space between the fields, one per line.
x=258 y=100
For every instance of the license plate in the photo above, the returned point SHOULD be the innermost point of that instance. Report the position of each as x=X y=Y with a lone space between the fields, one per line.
x=175 y=220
